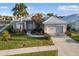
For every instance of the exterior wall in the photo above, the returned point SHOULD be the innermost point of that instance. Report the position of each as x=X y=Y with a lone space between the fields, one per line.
x=33 y=25
x=64 y=28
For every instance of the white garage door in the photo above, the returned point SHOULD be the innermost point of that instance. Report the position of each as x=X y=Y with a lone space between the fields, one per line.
x=59 y=29
x=55 y=30
x=51 y=30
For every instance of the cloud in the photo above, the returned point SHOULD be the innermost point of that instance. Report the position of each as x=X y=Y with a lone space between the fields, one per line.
x=30 y=8
x=3 y=7
x=68 y=8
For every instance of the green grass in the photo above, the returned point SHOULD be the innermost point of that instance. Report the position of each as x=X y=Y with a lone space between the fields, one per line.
x=44 y=53
x=75 y=36
x=21 y=41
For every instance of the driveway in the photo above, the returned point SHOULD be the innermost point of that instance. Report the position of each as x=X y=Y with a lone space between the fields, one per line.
x=66 y=46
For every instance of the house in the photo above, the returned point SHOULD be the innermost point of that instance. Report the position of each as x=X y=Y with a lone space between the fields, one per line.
x=73 y=21
x=51 y=25
x=55 y=26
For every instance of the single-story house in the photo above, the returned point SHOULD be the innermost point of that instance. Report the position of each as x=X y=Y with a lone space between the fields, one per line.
x=73 y=21
x=51 y=25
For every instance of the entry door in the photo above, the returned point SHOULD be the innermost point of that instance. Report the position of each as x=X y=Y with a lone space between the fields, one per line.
x=29 y=26
x=59 y=29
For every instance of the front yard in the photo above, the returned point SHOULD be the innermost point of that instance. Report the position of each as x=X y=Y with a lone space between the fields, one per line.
x=74 y=35
x=21 y=41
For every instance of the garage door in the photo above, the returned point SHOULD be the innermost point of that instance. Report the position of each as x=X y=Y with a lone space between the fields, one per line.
x=51 y=30
x=59 y=29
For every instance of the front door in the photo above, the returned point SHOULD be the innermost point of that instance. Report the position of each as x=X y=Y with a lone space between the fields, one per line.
x=29 y=26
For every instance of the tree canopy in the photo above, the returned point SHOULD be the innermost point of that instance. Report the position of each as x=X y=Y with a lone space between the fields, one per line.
x=50 y=14
x=19 y=10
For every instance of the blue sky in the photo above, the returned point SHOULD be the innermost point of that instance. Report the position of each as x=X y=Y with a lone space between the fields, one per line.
x=61 y=9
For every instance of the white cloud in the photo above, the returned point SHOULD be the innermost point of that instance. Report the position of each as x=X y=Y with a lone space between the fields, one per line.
x=3 y=7
x=30 y=7
x=68 y=8
x=33 y=9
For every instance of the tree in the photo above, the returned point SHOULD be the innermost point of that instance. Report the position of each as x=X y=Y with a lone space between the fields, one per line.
x=50 y=14
x=38 y=21
x=20 y=11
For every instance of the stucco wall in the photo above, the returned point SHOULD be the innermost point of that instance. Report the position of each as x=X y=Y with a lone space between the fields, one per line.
x=64 y=28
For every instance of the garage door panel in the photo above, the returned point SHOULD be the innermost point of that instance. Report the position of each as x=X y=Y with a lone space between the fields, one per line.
x=59 y=29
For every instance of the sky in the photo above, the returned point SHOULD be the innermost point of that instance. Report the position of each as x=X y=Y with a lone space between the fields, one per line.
x=60 y=9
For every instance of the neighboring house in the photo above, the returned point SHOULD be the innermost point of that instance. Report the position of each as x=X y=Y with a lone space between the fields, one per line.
x=73 y=21
x=51 y=25
x=3 y=23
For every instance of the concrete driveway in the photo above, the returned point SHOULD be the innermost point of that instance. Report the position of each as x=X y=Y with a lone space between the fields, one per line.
x=66 y=46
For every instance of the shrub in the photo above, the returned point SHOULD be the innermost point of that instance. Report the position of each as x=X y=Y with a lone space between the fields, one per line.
x=24 y=30
x=5 y=36
x=68 y=33
x=10 y=29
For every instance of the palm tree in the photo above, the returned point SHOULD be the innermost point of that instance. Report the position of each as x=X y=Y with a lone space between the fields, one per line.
x=20 y=11
x=38 y=21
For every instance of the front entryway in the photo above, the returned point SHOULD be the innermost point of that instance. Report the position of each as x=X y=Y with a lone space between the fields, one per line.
x=29 y=26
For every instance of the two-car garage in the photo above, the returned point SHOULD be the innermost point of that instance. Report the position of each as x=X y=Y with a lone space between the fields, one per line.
x=54 y=26
x=54 y=30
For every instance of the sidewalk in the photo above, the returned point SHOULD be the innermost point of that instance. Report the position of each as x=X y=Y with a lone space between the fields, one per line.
x=27 y=50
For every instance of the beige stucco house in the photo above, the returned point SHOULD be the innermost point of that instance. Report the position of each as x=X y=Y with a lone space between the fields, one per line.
x=51 y=25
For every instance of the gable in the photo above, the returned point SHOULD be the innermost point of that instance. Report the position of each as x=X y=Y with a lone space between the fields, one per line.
x=54 y=20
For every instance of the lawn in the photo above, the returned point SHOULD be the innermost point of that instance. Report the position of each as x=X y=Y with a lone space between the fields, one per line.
x=44 y=53
x=75 y=36
x=21 y=41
